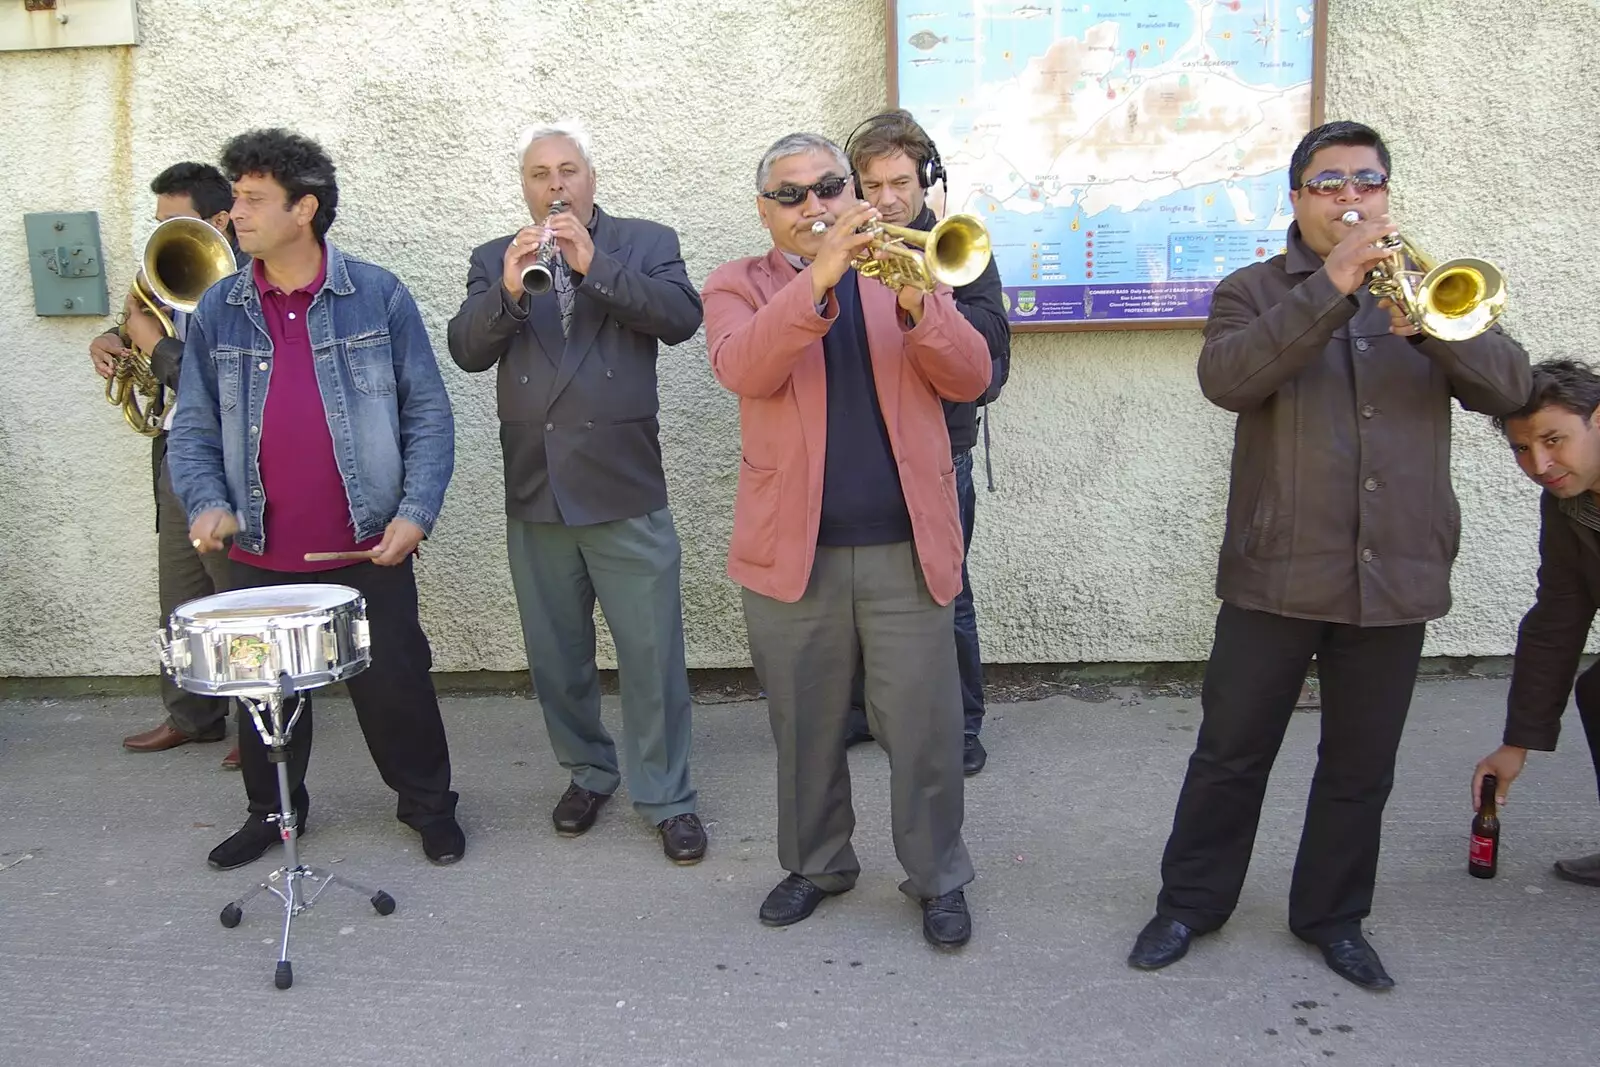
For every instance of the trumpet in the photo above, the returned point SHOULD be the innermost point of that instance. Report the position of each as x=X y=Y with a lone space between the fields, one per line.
x=182 y=259
x=954 y=253
x=1453 y=301
x=538 y=274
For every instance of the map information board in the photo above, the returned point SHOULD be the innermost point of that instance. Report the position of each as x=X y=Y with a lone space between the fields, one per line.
x=1126 y=155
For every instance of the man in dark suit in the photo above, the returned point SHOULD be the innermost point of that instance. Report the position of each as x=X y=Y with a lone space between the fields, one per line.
x=586 y=498
x=895 y=164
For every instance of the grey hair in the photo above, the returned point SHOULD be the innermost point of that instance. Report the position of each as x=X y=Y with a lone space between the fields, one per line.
x=796 y=144
x=572 y=129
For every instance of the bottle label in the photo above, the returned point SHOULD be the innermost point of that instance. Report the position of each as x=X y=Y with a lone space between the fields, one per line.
x=1481 y=852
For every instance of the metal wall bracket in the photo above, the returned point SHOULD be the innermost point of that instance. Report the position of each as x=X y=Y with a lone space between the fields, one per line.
x=66 y=263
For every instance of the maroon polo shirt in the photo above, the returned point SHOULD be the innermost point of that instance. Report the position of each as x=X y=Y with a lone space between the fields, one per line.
x=307 y=509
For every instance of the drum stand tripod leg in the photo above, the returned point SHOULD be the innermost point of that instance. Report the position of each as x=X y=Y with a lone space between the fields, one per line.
x=275 y=734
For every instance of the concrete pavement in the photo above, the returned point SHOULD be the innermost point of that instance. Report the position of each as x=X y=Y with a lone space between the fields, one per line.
x=540 y=950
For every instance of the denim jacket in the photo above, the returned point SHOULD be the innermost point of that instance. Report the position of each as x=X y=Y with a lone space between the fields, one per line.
x=393 y=432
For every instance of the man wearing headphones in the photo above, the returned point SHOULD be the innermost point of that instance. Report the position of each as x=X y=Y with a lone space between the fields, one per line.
x=895 y=163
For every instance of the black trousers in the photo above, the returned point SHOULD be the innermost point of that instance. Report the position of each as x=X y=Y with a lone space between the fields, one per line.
x=1587 y=692
x=1257 y=667
x=394 y=700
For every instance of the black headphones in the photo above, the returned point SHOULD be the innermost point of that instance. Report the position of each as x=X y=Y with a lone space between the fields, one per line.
x=929 y=170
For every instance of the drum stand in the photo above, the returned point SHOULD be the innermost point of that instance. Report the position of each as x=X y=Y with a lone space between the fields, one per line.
x=266 y=712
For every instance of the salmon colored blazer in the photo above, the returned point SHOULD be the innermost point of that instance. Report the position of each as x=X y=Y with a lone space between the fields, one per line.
x=764 y=336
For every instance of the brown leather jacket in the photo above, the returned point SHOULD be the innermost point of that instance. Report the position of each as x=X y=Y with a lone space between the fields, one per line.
x=1340 y=506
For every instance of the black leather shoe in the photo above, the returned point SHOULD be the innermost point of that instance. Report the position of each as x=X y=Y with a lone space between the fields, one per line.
x=443 y=842
x=249 y=843
x=1355 y=961
x=1585 y=870
x=791 y=900
x=1162 y=941
x=946 y=923
x=973 y=756
x=683 y=838
x=577 y=810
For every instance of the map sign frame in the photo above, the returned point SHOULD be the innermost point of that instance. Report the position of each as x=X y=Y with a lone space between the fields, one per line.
x=1125 y=301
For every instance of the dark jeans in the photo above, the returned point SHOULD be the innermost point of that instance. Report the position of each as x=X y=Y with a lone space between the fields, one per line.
x=394 y=700
x=1257 y=667
x=968 y=658
x=1587 y=692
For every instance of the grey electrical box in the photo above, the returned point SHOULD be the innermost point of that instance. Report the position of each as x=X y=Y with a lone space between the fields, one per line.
x=67 y=23
x=64 y=258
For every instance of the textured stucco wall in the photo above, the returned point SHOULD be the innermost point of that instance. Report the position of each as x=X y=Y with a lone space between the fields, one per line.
x=1100 y=541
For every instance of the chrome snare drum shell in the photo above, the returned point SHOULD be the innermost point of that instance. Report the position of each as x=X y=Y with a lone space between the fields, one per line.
x=240 y=643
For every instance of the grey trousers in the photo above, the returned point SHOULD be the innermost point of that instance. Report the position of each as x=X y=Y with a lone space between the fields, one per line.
x=869 y=601
x=631 y=567
x=182 y=574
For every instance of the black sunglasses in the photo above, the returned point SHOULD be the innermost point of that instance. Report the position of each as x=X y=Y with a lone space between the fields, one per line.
x=790 y=195
x=1330 y=182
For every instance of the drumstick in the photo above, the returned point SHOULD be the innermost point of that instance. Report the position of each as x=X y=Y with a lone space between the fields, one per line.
x=318 y=557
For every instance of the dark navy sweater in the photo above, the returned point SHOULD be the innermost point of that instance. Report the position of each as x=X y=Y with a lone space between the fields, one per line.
x=862 y=503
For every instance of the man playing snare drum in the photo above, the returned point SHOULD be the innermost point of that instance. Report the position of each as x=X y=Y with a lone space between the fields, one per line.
x=312 y=419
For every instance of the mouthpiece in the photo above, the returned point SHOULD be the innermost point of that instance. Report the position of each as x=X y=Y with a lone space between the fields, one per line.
x=819 y=227
x=1350 y=218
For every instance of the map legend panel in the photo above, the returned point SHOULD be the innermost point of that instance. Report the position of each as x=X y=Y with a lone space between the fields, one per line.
x=1218 y=254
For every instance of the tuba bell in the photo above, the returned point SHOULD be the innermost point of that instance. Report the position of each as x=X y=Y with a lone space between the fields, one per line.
x=182 y=259
x=1453 y=301
x=954 y=253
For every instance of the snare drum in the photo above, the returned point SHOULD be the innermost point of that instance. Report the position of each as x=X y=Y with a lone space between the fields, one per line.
x=240 y=642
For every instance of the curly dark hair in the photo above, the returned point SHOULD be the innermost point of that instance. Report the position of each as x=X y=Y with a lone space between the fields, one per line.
x=1560 y=383
x=1328 y=135
x=297 y=163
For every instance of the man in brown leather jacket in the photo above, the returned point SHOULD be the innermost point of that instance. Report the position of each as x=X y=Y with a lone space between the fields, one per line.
x=1556 y=439
x=1341 y=531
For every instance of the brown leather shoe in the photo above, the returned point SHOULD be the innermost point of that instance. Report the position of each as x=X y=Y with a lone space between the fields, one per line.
x=577 y=810
x=230 y=762
x=159 y=739
x=683 y=838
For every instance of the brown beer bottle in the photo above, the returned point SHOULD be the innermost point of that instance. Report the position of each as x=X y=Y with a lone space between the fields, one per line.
x=1483 y=855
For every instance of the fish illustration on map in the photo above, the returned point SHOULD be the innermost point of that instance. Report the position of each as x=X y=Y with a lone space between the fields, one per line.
x=922 y=61
x=927 y=39
x=1030 y=11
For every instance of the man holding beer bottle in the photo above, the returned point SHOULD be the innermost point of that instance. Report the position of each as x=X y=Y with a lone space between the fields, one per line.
x=1556 y=439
